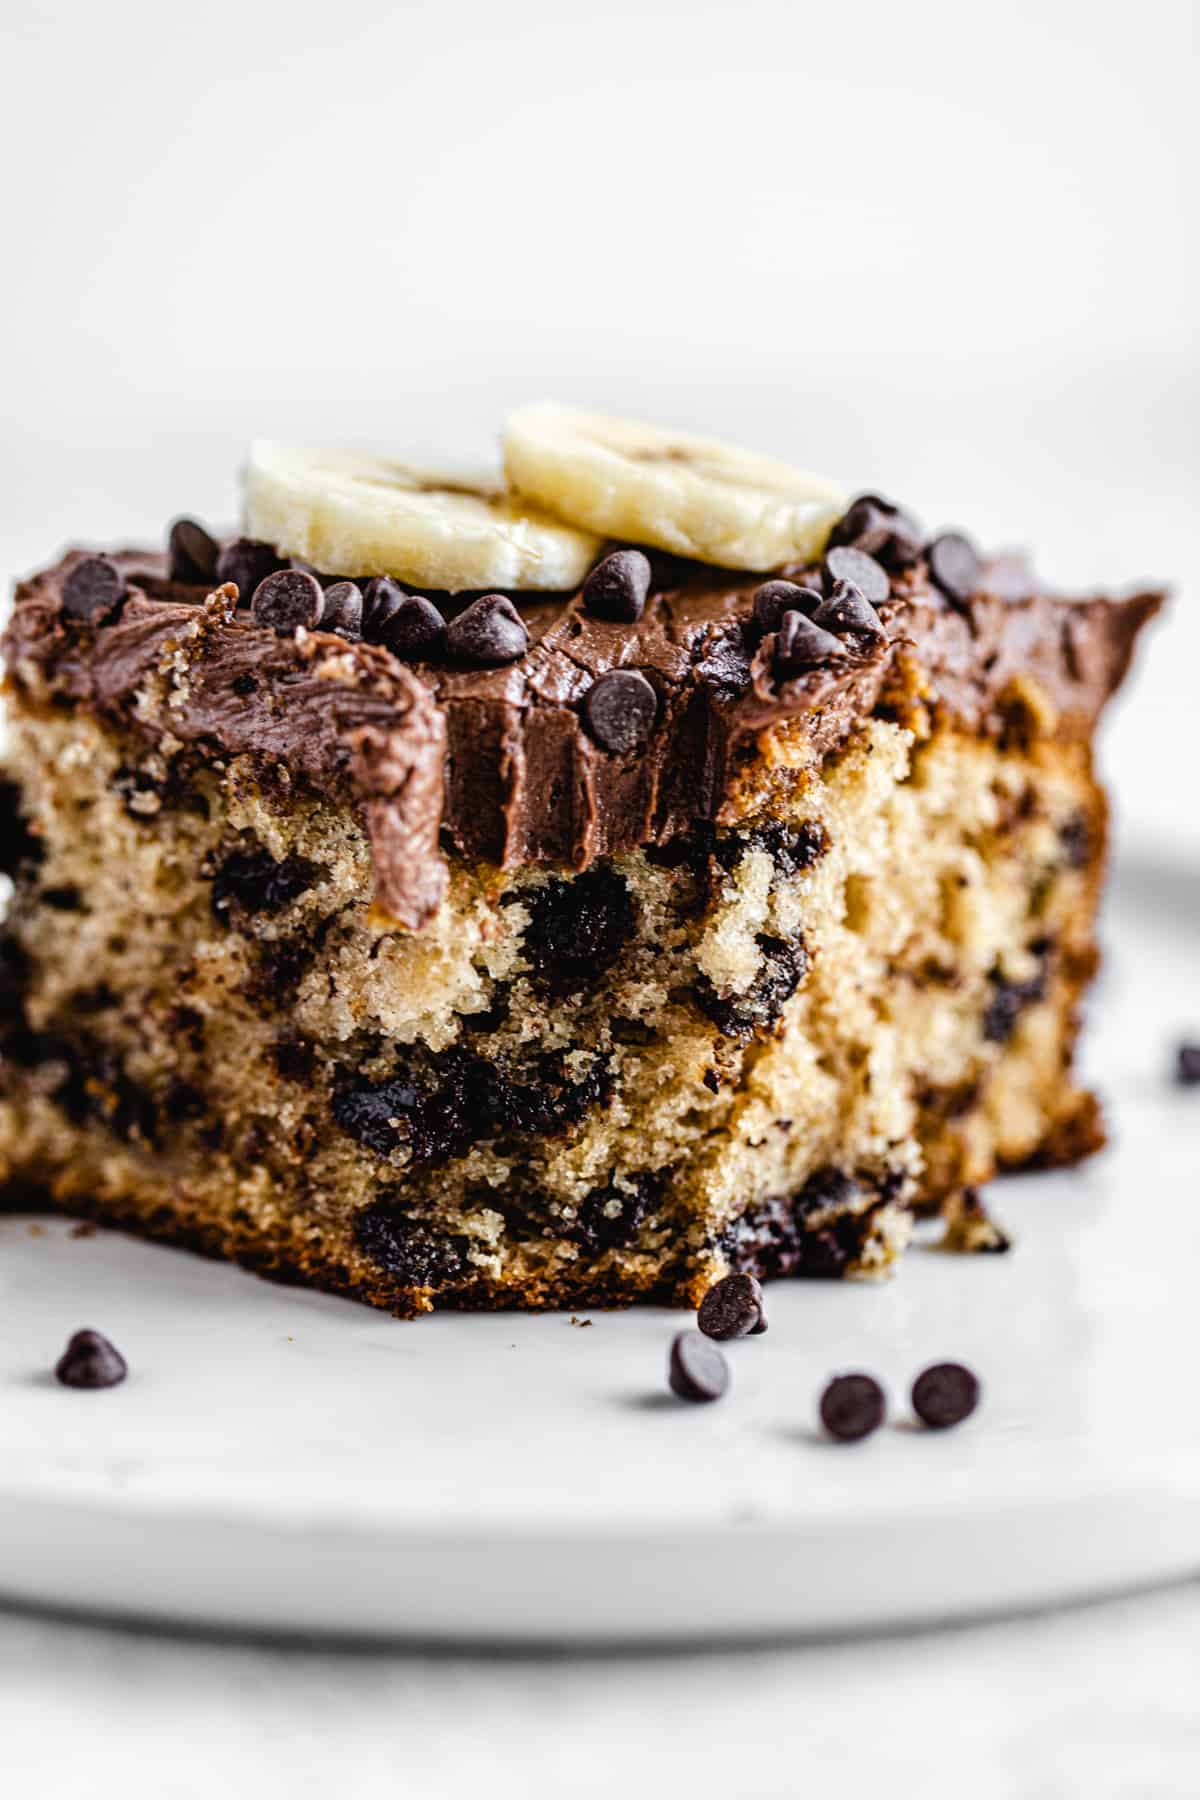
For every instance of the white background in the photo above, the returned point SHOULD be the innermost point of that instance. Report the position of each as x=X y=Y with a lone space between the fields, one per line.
x=944 y=249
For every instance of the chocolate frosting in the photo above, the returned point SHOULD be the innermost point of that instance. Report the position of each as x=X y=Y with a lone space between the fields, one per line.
x=499 y=760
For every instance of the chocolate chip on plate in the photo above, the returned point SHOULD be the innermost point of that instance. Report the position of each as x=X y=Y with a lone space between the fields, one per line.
x=489 y=631
x=414 y=631
x=90 y=1361
x=803 y=645
x=945 y=1394
x=342 y=610
x=954 y=566
x=93 y=590
x=852 y=1407
x=191 y=553
x=617 y=587
x=881 y=529
x=732 y=1308
x=620 y=710
x=1187 y=1065
x=845 y=563
x=286 y=600
x=697 y=1369
x=775 y=598
x=246 y=562
x=848 y=612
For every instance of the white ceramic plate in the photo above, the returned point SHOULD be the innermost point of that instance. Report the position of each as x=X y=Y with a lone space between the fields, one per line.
x=278 y=1460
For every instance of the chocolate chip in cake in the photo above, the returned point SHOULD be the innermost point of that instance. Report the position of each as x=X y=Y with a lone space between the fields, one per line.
x=610 y=1216
x=490 y=631
x=852 y=1407
x=848 y=613
x=407 y=1249
x=954 y=566
x=801 y=645
x=783 y=968
x=246 y=562
x=845 y=563
x=732 y=1308
x=881 y=529
x=90 y=1361
x=620 y=710
x=945 y=1394
x=287 y=600
x=342 y=611
x=191 y=553
x=1009 y=1000
x=18 y=845
x=775 y=598
x=415 y=631
x=577 y=928
x=617 y=587
x=697 y=1370
x=1075 y=836
x=1187 y=1065
x=253 y=882
x=93 y=590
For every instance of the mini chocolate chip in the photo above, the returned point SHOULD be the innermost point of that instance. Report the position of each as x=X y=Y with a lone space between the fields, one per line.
x=286 y=600
x=945 y=1394
x=620 y=710
x=845 y=563
x=343 y=609
x=246 y=563
x=802 y=645
x=191 y=553
x=415 y=631
x=733 y=1308
x=90 y=1361
x=881 y=529
x=92 y=590
x=697 y=1369
x=852 y=1407
x=382 y=600
x=617 y=587
x=489 y=631
x=848 y=612
x=1187 y=1065
x=953 y=566
x=775 y=598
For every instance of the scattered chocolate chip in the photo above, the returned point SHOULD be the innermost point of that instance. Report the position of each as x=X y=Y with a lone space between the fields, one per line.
x=1187 y=1065
x=845 y=563
x=954 y=566
x=414 y=631
x=852 y=1407
x=246 y=563
x=620 y=710
x=775 y=598
x=617 y=587
x=732 y=1308
x=93 y=590
x=490 y=631
x=801 y=645
x=881 y=529
x=945 y=1394
x=342 y=610
x=287 y=600
x=191 y=553
x=849 y=613
x=697 y=1369
x=90 y=1361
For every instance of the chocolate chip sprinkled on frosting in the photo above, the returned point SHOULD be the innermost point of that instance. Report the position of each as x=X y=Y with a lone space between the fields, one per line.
x=90 y=1361
x=775 y=598
x=617 y=587
x=845 y=563
x=803 y=645
x=697 y=1370
x=880 y=529
x=246 y=563
x=620 y=710
x=93 y=590
x=343 y=609
x=191 y=553
x=490 y=631
x=414 y=630
x=286 y=600
x=848 y=612
x=954 y=566
x=382 y=600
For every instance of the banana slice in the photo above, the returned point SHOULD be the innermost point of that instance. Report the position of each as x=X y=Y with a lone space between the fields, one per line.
x=687 y=494
x=350 y=514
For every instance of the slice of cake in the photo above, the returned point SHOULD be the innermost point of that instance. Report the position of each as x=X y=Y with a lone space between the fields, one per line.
x=569 y=894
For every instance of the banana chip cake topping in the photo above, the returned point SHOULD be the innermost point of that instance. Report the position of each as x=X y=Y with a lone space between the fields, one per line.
x=653 y=867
